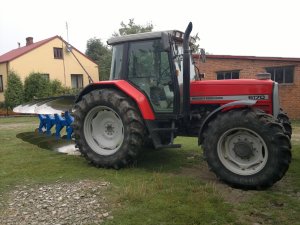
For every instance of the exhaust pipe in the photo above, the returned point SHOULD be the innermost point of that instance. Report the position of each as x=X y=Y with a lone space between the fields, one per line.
x=186 y=73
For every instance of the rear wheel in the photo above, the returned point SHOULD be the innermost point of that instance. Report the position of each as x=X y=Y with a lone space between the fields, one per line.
x=285 y=121
x=108 y=128
x=247 y=149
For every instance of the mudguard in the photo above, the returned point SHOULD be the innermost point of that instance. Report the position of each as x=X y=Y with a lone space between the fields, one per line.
x=122 y=85
x=241 y=103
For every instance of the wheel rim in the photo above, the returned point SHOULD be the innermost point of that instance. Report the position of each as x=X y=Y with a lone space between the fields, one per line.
x=242 y=151
x=103 y=130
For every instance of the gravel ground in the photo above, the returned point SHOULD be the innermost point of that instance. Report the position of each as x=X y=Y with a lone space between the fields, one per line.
x=60 y=203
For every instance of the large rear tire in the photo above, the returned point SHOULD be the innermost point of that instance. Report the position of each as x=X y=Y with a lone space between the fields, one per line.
x=286 y=123
x=247 y=149
x=108 y=128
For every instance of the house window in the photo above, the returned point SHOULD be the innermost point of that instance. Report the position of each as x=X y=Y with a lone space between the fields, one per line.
x=282 y=75
x=77 y=80
x=1 y=83
x=222 y=75
x=46 y=75
x=58 y=53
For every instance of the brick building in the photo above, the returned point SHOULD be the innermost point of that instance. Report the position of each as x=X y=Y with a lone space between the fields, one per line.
x=286 y=71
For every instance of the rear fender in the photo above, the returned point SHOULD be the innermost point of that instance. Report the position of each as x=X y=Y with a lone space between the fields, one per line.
x=226 y=107
x=136 y=95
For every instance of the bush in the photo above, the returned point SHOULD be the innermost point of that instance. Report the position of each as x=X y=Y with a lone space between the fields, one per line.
x=36 y=86
x=71 y=91
x=14 y=94
x=56 y=88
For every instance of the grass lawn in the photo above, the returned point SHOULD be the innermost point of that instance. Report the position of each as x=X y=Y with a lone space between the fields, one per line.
x=166 y=187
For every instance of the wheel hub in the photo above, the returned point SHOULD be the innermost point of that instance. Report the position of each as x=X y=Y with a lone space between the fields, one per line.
x=109 y=129
x=243 y=149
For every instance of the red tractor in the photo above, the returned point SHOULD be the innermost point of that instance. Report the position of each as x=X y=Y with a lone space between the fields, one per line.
x=155 y=94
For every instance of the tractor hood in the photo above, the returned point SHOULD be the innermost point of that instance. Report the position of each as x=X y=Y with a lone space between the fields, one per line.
x=220 y=92
x=246 y=87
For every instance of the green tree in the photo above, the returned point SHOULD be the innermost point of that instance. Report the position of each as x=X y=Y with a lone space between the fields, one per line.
x=100 y=54
x=14 y=94
x=132 y=28
x=36 y=86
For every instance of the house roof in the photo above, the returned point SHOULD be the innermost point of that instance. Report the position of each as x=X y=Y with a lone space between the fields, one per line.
x=15 y=53
x=263 y=58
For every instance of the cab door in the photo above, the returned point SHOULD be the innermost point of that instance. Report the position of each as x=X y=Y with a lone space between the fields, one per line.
x=150 y=70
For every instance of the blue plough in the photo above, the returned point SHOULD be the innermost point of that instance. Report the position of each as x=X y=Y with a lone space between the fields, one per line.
x=59 y=121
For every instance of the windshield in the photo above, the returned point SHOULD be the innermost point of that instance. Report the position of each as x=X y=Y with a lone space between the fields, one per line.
x=178 y=60
x=177 y=49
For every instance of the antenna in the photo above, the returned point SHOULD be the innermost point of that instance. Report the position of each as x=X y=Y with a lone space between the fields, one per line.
x=67 y=27
x=68 y=47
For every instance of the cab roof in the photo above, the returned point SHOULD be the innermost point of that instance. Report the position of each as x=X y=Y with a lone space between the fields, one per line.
x=139 y=36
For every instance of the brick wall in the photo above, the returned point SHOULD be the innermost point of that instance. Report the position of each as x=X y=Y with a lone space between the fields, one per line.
x=250 y=66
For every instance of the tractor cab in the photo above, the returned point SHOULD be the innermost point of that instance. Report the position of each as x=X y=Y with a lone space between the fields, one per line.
x=153 y=63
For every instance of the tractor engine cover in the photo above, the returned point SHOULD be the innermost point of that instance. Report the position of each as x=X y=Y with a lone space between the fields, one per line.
x=220 y=92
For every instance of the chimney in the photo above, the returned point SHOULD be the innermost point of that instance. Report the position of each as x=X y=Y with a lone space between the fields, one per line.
x=19 y=44
x=29 y=41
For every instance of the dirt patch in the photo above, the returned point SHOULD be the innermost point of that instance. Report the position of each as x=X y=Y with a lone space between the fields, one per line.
x=229 y=194
x=237 y=197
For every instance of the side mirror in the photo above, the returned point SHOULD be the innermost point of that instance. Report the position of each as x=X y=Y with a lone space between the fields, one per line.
x=203 y=55
x=199 y=76
x=165 y=41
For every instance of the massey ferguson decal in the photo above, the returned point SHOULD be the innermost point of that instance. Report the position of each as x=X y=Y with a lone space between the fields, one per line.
x=230 y=98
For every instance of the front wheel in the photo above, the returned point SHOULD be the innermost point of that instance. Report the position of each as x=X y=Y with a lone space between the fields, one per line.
x=108 y=128
x=247 y=149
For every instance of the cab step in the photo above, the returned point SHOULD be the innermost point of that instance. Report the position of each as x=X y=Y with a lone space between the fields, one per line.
x=168 y=146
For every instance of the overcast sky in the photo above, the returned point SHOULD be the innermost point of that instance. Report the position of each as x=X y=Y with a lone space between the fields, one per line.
x=231 y=27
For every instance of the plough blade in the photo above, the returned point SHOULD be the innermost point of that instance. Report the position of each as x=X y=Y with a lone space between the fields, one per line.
x=53 y=105
x=29 y=107
x=57 y=106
